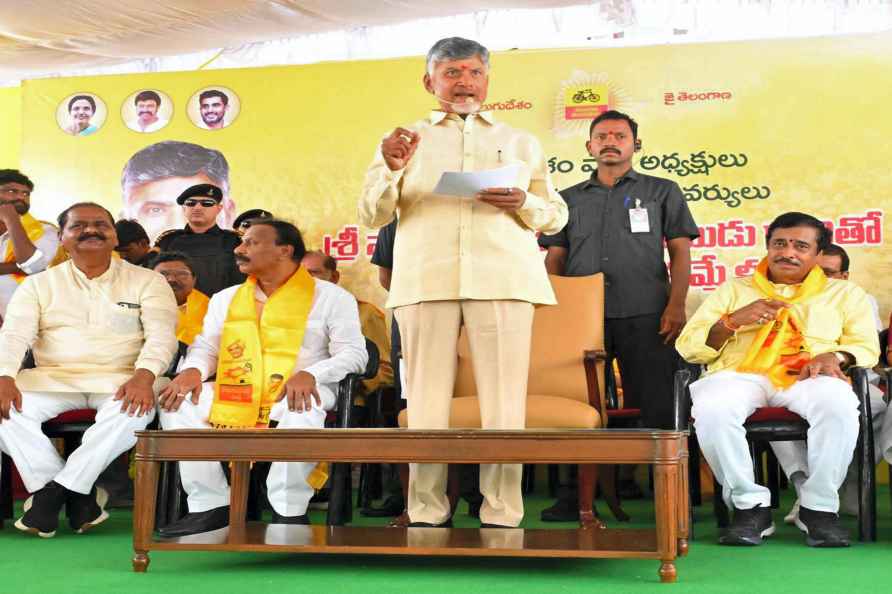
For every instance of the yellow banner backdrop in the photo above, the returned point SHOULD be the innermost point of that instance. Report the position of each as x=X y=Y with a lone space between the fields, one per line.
x=11 y=124
x=749 y=130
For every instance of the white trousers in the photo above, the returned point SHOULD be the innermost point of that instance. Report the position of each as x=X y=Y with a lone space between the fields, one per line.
x=36 y=458
x=793 y=455
x=723 y=401
x=287 y=488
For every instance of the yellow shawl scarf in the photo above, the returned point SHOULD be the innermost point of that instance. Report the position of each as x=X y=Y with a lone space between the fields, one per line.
x=777 y=350
x=257 y=356
x=34 y=230
x=192 y=316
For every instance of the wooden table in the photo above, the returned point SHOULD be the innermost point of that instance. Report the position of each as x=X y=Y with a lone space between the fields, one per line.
x=665 y=450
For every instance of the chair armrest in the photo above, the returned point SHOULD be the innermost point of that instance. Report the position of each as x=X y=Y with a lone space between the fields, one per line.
x=681 y=395
x=590 y=360
x=371 y=368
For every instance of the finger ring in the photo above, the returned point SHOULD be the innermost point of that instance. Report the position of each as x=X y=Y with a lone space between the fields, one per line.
x=180 y=394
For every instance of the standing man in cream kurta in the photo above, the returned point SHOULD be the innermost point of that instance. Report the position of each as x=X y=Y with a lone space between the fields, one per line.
x=102 y=332
x=471 y=261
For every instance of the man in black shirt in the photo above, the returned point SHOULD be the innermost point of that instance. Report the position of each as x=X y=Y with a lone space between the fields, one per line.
x=619 y=220
x=208 y=246
x=133 y=243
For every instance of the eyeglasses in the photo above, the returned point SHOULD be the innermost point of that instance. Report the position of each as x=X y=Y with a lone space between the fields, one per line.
x=175 y=273
x=205 y=203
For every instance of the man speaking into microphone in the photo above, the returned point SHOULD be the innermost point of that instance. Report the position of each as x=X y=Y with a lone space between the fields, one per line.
x=463 y=260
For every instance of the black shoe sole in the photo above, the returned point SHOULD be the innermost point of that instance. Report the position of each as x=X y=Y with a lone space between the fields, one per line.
x=739 y=541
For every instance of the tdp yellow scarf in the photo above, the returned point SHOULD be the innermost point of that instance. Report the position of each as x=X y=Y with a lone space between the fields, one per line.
x=257 y=356
x=192 y=316
x=34 y=230
x=777 y=350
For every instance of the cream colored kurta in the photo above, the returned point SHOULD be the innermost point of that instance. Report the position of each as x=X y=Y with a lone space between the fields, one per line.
x=839 y=318
x=88 y=335
x=450 y=247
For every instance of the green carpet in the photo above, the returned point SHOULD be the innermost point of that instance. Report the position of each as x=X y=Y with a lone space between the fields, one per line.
x=99 y=562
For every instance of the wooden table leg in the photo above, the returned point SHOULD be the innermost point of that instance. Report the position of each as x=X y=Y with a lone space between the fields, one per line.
x=145 y=492
x=666 y=502
x=238 y=499
x=684 y=507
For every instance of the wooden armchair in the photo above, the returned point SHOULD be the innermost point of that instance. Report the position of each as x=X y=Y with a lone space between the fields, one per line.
x=566 y=377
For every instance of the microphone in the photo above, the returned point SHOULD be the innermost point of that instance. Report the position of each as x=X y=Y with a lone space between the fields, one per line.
x=468 y=102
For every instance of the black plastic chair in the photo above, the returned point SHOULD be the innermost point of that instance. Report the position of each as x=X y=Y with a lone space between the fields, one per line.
x=769 y=424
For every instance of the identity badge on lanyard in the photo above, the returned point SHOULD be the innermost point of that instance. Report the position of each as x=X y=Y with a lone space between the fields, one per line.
x=638 y=220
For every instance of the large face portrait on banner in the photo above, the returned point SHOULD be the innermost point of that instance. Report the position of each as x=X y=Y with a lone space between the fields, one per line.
x=154 y=176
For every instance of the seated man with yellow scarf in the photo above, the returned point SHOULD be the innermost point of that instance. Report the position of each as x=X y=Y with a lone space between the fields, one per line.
x=781 y=338
x=27 y=246
x=278 y=343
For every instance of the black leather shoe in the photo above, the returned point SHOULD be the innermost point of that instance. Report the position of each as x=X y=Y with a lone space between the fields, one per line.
x=86 y=511
x=446 y=524
x=563 y=510
x=392 y=506
x=194 y=523
x=42 y=509
x=821 y=529
x=303 y=520
x=748 y=527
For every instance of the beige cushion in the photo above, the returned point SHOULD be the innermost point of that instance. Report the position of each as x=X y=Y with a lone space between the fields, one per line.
x=543 y=412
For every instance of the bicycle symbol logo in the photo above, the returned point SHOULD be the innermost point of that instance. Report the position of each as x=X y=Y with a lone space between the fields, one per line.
x=586 y=96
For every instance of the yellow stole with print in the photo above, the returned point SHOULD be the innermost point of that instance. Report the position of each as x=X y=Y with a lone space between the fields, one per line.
x=257 y=356
x=777 y=351
x=192 y=316
x=34 y=230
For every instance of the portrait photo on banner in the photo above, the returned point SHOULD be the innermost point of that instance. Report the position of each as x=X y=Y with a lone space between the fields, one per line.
x=147 y=110
x=213 y=108
x=81 y=114
x=156 y=175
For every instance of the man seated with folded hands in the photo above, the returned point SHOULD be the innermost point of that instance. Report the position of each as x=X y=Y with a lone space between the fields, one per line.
x=782 y=338
x=278 y=344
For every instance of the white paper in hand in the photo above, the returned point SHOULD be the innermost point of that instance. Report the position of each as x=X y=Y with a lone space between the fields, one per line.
x=468 y=183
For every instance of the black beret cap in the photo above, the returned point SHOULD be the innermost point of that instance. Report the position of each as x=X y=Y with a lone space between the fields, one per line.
x=201 y=191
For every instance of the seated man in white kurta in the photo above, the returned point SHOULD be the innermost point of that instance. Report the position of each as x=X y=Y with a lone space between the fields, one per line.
x=278 y=343
x=102 y=333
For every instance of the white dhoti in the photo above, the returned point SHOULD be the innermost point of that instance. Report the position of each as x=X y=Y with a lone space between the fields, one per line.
x=287 y=488
x=36 y=458
x=723 y=401
x=793 y=455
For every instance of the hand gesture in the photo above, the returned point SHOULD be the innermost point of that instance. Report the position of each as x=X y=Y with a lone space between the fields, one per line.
x=825 y=364
x=757 y=312
x=9 y=397
x=399 y=147
x=671 y=322
x=136 y=394
x=300 y=389
x=8 y=213
x=509 y=199
x=187 y=382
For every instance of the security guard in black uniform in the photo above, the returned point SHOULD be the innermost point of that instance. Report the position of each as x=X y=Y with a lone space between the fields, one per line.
x=208 y=246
